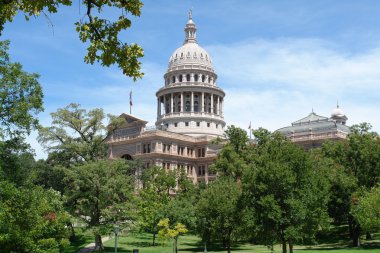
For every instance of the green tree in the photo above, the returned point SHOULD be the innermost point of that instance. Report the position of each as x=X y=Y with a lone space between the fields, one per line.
x=77 y=135
x=367 y=210
x=232 y=158
x=32 y=220
x=219 y=206
x=154 y=197
x=20 y=97
x=102 y=34
x=360 y=158
x=101 y=193
x=166 y=232
x=288 y=196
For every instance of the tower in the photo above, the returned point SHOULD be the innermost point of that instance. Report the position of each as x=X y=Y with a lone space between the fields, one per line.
x=190 y=102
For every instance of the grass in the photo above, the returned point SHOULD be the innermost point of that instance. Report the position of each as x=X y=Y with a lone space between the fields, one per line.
x=191 y=243
x=80 y=241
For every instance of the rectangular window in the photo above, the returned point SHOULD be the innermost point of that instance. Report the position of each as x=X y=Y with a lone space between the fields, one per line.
x=198 y=124
x=175 y=124
x=208 y=124
x=187 y=124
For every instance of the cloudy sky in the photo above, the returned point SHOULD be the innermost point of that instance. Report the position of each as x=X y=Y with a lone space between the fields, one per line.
x=276 y=60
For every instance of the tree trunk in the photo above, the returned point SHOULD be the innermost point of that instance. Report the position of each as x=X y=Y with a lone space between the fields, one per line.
x=350 y=227
x=98 y=243
x=154 y=238
x=290 y=246
x=356 y=234
x=368 y=236
x=175 y=245
x=283 y=241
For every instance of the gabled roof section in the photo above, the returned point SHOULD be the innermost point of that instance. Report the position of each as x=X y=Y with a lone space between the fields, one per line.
x=131 y=119
x=311 y=118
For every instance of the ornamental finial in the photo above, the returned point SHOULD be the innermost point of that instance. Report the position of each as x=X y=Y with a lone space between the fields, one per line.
x=190 y=14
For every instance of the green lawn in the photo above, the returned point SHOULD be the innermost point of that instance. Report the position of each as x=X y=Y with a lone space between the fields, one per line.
x=191 y=243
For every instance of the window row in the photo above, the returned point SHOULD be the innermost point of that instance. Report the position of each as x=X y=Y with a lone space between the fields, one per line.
x=189 y=78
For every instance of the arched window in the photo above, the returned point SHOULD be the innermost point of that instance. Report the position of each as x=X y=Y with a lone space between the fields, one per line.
x=180 y=78
x=179 y=106
x=196 y=106
x=181 y=55
x=203 y=78
x=209 y=107
x=127 y=157
x=188 y=77
x=187 y=106
x=209 y=79
x=188 y=54
x=195 y=54
x=196 y=77
x=173 y=79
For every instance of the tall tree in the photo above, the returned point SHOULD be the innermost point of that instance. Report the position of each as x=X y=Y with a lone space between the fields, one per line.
x=20 y=97
x=77 y=135
x=101 y=193
x=218 y=207
x=360 y=158
x=154 y=197
x=102 y=34
x=287 y=195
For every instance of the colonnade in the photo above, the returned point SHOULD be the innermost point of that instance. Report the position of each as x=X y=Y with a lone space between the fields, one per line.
x=190 y=102
x=190 y=77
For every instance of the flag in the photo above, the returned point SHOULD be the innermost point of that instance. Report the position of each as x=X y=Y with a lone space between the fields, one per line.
x=130 y=98
x=249 y=125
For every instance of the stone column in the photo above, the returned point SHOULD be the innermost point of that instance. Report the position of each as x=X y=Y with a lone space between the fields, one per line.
x=212 y=103
x=192 y=77
x=206 y=80
x=221 y=107
x=182 y=105
x=217 y=106
x=165 y=104
x=192 y=102
x=176 y=79
x=158 y=108
x=203 y=102
x=171 y=103
x=206 y=173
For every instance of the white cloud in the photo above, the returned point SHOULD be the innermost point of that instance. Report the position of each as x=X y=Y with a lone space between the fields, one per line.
x=275 y=82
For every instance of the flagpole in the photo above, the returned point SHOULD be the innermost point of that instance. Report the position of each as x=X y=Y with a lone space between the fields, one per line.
x=130 y=102
x=250 y=131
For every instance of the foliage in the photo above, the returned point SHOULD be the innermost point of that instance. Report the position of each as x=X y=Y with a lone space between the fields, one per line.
x=101 y=193
x=287 y=195
x=232 y=158
x=166 y=232
x=32 y=219
x=360 y=158
x=20 y=97
x=367 y=210
x=219 y=206
x=76 y=135
x=154 y=197
x=101 y=33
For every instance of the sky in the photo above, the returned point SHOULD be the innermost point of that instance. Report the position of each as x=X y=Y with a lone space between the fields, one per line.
x=276 y=60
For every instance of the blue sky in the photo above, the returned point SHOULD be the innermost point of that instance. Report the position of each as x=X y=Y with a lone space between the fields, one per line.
x=276 y=60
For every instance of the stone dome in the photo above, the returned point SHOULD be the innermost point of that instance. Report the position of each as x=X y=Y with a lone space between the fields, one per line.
x=337 y=112
x=190 y=53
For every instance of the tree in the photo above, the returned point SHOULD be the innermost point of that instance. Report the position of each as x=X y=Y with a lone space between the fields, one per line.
x=360 y=158
x=20 y=97
x=166 y=232
x=367 y=210
x=232 y=158
x=287 y=195
x=77 y=135
x=101 y=193
x=32 y=220
x=102 y=34
x=218 y=205
x=154 y=197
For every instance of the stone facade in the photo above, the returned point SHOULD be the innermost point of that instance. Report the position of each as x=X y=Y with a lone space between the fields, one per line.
x=189 y=117
x=313 y=130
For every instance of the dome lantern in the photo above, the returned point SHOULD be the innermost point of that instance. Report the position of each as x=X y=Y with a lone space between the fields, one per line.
x=190 y=30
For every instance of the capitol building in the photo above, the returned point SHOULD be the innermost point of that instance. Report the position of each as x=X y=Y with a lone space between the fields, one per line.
x=190 y=116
